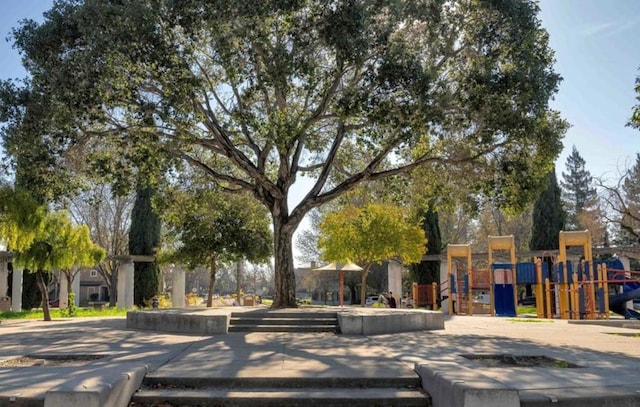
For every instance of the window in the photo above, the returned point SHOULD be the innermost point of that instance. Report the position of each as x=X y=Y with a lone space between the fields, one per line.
x=93 y=273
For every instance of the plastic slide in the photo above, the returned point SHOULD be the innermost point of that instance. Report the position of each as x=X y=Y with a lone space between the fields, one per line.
x=618 y=302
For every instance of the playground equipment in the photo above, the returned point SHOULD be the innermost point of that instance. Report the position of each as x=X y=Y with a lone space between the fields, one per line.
x=585 y=289
x=504 y=298
x=460 y=280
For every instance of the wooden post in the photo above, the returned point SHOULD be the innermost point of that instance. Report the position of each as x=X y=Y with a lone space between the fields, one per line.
x=434 y=290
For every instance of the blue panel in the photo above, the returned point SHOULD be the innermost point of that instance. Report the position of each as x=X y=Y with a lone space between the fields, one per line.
x=466 y=284
x=498 y=266
x=526 y=273
x=615 y=264
x=545 y=270
x=560 y=275
x=503 y=300
x=452 y=284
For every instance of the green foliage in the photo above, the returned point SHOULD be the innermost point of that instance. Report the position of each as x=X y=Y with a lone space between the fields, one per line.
x=206 y=222
x=21 y=218
x=58 y=313
x=258 y=95
x=60 y=245
x=71 y=310
x=548 y=216
x=427 y=272
x=371 y=234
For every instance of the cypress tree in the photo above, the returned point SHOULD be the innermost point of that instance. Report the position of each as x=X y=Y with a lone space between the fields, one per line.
x=427 y=272
x=548 y=216
x=144 y=238
x=578 y=189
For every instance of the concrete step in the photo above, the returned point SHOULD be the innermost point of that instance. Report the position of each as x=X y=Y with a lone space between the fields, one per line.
x=282 y=397
x=283 y=328
x=285 y=315
x=282 y=321
x=195 y=382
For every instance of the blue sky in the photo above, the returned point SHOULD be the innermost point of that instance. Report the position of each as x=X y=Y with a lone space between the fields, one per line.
x=597 y=55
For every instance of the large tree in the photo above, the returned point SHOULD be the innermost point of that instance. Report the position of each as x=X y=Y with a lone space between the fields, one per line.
x=344 y=92
x=578 y=191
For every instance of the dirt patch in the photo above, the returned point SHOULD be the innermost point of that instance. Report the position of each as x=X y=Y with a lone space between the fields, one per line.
x=50 y=360
x=509 y=360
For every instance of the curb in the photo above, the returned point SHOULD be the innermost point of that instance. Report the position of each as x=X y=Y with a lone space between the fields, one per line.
x=112 y=386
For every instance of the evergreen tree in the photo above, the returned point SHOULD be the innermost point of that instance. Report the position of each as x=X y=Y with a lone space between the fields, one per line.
x=578 y=190
x=548 y=216
x=427 y=272
x=144 y=238
x=630 y=218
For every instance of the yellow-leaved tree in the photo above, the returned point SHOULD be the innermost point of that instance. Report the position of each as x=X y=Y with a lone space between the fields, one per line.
x=371 y=234
x=60 y=245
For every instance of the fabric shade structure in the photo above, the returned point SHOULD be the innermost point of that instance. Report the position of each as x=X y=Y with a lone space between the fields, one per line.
x=341 y=267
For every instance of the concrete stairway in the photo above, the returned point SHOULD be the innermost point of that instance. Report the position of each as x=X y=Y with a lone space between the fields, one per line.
x=285 y=392
x=284 y=322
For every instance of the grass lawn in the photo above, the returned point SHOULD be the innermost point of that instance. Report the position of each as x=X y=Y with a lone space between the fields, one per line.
x=56 y=313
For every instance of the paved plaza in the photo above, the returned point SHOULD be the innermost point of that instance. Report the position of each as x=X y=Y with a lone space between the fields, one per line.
x=607 y=359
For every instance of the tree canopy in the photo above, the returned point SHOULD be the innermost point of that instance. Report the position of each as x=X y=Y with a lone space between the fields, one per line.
x=371 y=234
x=209 y=226
x=258 y=94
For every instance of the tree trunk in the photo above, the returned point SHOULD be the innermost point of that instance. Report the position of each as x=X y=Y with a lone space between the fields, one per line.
x=212 y=281
x=69 y=278
x=363 y=284
x=44 y=292
x=238 y=280
x=285 y=279
x=113 y=287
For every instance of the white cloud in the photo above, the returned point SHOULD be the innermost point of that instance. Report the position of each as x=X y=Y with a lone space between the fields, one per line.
x=609 y=28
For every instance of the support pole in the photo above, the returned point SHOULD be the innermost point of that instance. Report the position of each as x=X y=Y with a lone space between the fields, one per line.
x=342 y=288
x=16 y=291
x=125 y=283
x=4 y=276
x=178 y=289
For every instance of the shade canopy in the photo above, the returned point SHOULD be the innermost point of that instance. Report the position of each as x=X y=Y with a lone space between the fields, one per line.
x=333 y=266
x=341 y=267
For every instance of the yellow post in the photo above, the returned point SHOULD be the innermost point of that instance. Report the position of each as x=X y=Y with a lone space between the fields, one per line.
x=547 y=297
x=539 y=289
x=414 y=294
x=575 y=297
x=574 y=238
x=453 y=251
